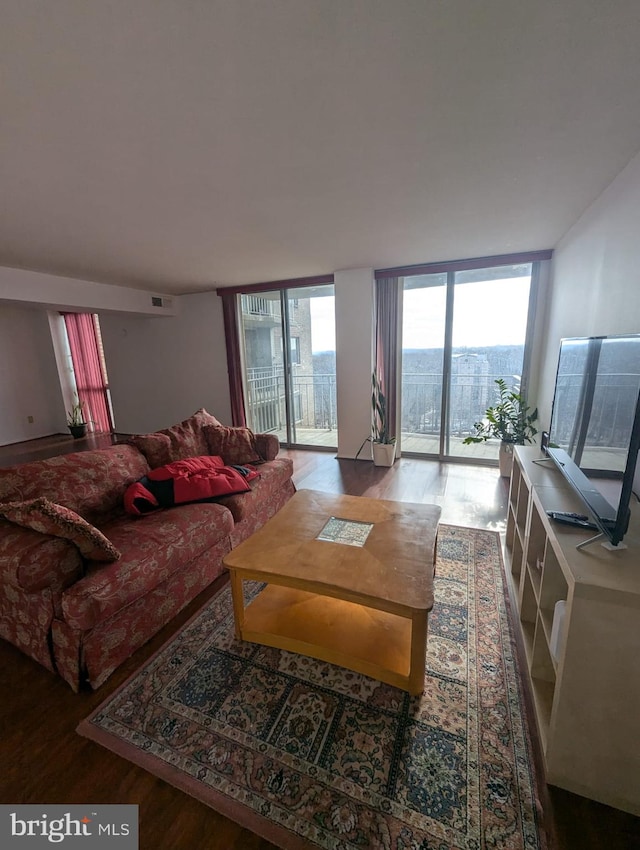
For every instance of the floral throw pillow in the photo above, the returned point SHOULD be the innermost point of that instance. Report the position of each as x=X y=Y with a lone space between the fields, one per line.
x=236 y=446
x=202 y=417
x=186 y=439
x=49 y=518
x=155 y=447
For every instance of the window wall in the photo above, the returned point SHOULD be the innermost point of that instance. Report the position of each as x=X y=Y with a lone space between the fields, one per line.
x=288 y=338
x=461 y=331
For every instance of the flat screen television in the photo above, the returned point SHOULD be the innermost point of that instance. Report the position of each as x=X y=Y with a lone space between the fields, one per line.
x=594 y=433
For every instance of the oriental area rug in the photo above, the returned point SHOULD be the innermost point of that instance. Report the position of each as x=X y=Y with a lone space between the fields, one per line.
x=308 y=755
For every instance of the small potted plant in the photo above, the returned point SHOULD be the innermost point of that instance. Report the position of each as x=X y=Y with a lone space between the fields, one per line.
x=510 y=420
x=76 y=420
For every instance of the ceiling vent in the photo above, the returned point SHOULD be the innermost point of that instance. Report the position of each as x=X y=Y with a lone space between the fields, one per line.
x=156 y=301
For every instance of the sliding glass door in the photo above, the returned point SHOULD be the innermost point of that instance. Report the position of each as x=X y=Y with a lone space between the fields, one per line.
x=290 y=364
x=461 y=331
x=424 y=311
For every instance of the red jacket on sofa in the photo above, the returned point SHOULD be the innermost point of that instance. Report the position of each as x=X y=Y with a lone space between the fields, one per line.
x=195 y=479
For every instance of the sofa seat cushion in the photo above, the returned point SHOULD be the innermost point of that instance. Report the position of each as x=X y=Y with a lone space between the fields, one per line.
x=90 y=483
x=273 y=477
x=152 y=549
x=32 y=561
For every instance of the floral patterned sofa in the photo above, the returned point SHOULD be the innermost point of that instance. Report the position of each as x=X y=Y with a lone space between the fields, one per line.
x=82 y=583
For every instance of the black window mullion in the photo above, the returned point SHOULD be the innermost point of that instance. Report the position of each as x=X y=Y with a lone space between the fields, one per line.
x=446 y=366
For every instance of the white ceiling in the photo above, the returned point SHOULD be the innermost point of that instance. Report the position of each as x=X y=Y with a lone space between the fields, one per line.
x=180 y=145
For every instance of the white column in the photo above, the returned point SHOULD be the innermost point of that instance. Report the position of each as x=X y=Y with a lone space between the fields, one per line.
x=354 y=290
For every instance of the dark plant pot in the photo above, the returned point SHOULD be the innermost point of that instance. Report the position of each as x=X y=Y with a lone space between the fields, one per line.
x=78 y=431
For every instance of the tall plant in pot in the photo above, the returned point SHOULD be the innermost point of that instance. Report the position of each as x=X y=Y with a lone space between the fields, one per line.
x=383 y=445
x=510 y=420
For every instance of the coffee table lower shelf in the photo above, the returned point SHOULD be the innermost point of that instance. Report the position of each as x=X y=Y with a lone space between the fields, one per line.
x=361 y=638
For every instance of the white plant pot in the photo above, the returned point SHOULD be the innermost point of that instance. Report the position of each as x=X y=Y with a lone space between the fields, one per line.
x=505 y=459
x=384 y=454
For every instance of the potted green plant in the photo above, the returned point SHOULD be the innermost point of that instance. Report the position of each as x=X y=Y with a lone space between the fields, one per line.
x=384 y=446
x=510 y=420
x=76 y=421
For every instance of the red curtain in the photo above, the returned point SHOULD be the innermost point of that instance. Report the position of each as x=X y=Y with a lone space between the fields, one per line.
x=234 y=365
x=88 y=366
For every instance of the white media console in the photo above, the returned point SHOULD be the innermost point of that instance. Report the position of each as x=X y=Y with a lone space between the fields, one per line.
x=584 y=662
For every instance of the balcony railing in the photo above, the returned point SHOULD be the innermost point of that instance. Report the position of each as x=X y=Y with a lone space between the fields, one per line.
x=254 y=305
x=470 y=396
x=314 y=401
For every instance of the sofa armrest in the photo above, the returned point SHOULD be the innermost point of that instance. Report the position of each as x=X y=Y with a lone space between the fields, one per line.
x=32 y=561
x=268 y=446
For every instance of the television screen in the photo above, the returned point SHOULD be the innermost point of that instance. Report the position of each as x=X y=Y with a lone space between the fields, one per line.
x=595 y=425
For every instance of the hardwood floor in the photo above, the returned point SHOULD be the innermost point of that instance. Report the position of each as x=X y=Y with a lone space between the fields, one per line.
x=45 y=761
x=56 y=444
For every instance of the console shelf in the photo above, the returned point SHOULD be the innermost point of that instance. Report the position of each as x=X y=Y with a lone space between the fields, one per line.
x=584 y=676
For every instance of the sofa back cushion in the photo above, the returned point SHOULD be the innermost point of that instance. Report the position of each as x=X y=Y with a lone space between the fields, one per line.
x=90 y=483
x=267 y=446
x=155 y=447
x=236 y=446
x=186 y=439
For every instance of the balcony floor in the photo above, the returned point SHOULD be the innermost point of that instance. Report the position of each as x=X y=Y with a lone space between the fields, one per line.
x=411 y=444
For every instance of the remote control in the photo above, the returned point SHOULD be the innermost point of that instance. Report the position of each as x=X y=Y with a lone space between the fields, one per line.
x=570 y=519
x=568 y=514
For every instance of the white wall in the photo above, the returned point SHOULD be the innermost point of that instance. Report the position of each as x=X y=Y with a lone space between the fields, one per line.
x=29 y=383
x=36 y=289
x=596 y=276
x=162 y=370
x=354 y=290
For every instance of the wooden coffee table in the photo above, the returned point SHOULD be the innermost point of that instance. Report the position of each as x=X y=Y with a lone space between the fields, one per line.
x=362 y=607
